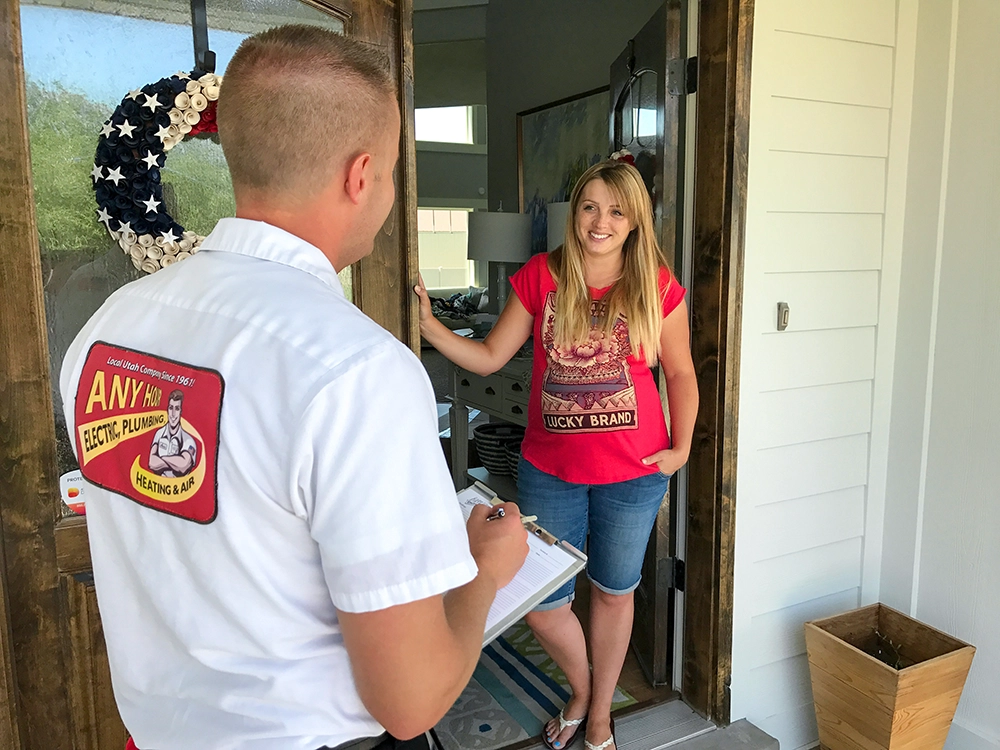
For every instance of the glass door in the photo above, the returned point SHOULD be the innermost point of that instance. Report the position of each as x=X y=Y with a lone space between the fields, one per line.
x=66 y=66
x=647 y=120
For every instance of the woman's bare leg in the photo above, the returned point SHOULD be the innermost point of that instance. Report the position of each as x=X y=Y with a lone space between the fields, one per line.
x=610 y=633
x=560 y=634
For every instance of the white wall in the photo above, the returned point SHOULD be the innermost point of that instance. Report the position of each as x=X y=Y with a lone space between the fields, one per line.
x=829 y=105
x=868 y=462
x=916 y=288
x=540 y=52
x=942 y=540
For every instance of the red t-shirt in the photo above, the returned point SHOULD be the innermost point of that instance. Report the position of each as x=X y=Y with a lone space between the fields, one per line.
x=594 y=411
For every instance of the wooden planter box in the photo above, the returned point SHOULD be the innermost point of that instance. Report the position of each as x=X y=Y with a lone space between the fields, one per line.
x=862 y=703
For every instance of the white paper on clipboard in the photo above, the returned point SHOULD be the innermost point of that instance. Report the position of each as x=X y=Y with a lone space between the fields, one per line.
x=547 y=567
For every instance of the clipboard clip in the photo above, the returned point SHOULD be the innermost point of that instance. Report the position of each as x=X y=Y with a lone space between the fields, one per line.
x=541 y=533
x=531 y=526
x=490 y=494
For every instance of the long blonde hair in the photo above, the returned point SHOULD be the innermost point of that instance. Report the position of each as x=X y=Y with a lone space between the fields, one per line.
x=636 y=294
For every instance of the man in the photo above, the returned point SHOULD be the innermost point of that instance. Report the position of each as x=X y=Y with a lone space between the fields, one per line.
x=310 y=582
x=173 y=451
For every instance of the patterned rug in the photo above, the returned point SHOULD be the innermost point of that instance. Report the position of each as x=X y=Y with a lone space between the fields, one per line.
x=515 y=689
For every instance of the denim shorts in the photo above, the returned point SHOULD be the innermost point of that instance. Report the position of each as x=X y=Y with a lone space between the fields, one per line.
x=615 y=520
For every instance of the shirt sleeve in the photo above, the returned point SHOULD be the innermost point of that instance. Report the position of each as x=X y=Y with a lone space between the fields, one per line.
x=674 y=292
x=527 y=281
x=374 y=486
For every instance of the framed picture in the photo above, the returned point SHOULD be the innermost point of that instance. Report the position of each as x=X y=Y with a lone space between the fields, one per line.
x=556 y=143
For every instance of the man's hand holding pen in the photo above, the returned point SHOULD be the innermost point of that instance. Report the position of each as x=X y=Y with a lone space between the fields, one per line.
x=498 y=541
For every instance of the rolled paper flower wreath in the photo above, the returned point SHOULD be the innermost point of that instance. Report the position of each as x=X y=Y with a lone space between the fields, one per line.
x=131 y=151
x=623 y=155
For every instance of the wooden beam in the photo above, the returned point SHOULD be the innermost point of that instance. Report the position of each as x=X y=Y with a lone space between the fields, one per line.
x=73 y=546
x=383 y=281
x=725 y=34
x=28 y=503
x=96 y=723
x=10 y=716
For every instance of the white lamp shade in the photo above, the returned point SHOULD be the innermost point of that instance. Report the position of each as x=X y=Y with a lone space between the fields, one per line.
x=499 y=237
x=558 y=214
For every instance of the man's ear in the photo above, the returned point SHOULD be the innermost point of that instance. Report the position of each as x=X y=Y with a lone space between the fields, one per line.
x=358 y=176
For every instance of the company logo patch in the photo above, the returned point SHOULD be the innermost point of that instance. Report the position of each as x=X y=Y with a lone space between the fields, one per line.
x=148 y=428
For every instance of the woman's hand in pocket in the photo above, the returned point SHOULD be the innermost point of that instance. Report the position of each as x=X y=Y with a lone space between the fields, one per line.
x=667 y=461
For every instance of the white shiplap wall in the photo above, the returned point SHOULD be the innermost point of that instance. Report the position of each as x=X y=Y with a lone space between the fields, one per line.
x=808 y=516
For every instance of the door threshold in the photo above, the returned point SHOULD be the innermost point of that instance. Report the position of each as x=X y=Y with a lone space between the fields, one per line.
x=643 y=727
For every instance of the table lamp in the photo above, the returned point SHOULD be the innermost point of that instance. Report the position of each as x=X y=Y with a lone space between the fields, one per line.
x=500 y=238
x=558 y=214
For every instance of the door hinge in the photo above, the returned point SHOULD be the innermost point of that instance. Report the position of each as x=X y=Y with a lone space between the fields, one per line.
x=682 y=76
x=677 y=573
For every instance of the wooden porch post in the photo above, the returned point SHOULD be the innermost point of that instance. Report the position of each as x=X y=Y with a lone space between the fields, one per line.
x=725 y=35
x=383 y=281
x=10 y=717
x=27 y=433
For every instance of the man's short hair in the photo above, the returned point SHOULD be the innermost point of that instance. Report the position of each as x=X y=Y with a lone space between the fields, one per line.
x=297 y=101
x=176 y=395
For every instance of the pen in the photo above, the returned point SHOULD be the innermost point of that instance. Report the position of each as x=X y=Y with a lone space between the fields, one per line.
x=495 y=515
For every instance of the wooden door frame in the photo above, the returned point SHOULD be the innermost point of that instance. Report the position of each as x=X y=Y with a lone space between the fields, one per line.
x=35 y=697
x=383 y=281
x=654 y=618
x=725 y=33
x=28 y=504
x=34 y=702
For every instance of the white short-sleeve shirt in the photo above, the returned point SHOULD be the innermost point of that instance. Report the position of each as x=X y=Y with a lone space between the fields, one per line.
x=332 y=494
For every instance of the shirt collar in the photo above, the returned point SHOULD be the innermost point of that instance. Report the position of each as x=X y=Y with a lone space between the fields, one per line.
x=258 y=239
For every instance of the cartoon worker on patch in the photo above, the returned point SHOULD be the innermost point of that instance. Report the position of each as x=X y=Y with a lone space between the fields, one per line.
x=174 y=451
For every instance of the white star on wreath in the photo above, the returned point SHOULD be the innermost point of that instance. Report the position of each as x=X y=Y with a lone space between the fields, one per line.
x=153 y=119
x=126 y=129
x=115 y=175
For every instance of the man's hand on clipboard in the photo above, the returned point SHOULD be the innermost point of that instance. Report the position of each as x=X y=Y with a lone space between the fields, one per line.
x=498 y=542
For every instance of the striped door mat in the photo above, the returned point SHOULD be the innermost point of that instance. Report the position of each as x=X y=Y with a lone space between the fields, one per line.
x=515 y=689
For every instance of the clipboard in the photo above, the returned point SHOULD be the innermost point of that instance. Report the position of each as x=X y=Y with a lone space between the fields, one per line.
x=550 y=563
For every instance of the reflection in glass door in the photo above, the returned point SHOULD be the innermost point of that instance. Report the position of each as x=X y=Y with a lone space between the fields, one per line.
x=79 y=65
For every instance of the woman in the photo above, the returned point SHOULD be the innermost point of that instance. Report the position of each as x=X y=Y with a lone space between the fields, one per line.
x=603 y=308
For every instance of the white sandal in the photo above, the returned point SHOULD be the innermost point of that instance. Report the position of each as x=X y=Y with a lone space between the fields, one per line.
x=563 y=723
x=607 y=743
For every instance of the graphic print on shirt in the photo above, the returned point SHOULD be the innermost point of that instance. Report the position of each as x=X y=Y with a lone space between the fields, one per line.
x=587 y=387
x=148 y=428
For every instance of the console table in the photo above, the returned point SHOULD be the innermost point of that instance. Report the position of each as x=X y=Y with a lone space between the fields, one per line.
x=504 y=395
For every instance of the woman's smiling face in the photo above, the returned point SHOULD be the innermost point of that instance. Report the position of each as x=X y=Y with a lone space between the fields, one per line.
x=601 y=224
